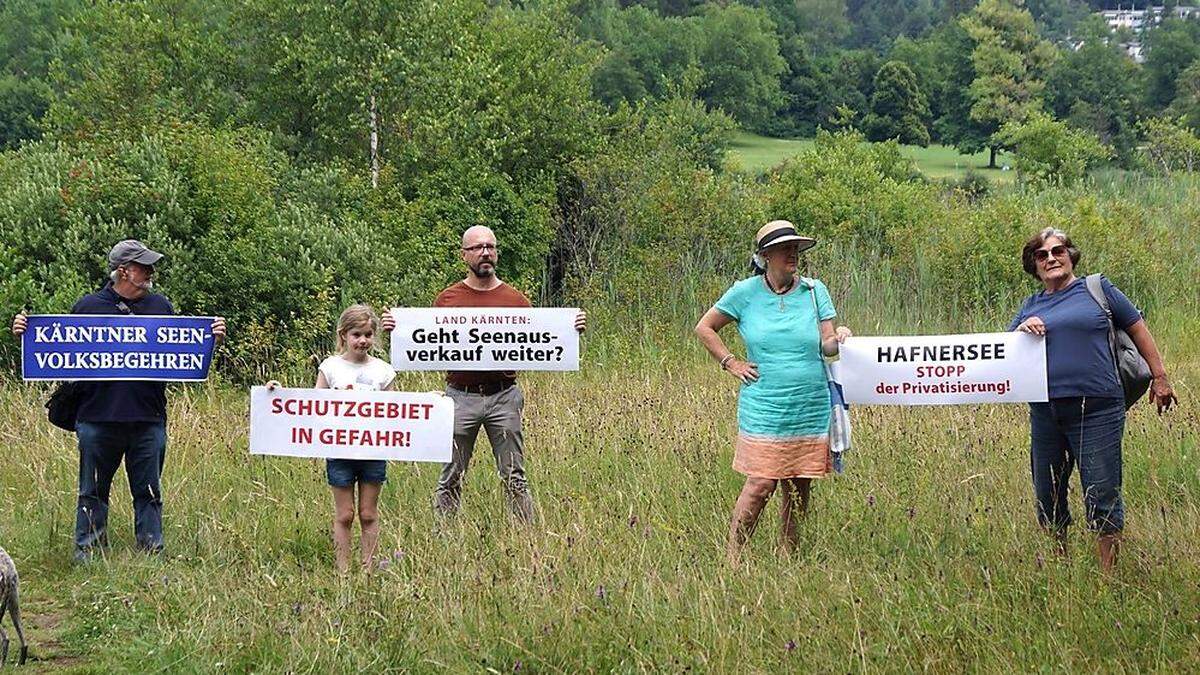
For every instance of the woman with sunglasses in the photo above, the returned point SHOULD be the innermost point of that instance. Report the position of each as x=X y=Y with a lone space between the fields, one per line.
x=1085 y=417
x=786 y=323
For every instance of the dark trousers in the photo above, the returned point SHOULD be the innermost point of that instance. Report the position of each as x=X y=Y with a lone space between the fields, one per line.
x=1081 y=431
x=102 y=445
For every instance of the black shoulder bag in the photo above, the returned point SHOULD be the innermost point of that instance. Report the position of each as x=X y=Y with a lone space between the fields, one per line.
x=63 y=405
x=62 y=408
x=1132 y=370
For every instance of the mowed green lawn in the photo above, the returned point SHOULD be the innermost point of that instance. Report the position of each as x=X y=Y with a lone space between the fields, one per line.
x=754 y=153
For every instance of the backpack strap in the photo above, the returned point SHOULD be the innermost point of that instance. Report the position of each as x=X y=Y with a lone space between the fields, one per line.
x=1092 y=281
x=812 y=293
x=1097 y=292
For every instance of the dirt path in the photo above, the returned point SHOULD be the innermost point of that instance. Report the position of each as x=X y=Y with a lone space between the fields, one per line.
x=43 y=620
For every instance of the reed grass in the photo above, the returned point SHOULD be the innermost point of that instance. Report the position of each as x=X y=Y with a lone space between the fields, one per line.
x=924 y=555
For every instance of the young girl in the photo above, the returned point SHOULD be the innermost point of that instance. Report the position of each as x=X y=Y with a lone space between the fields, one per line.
x=353 y=367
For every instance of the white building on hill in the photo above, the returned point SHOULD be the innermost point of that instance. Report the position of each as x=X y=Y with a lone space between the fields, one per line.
x=1138 y=20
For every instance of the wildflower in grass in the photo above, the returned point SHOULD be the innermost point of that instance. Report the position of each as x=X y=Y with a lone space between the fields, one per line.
x=790 y=645
x=517 y=666
x=600 y=592
x=384 y=563
x=871 y=500
x=398 y=555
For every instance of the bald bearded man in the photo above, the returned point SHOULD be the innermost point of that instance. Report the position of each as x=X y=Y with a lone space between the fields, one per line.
x=491 y=399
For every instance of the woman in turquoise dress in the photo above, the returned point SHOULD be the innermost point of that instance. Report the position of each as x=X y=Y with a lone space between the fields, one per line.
x=786 y=323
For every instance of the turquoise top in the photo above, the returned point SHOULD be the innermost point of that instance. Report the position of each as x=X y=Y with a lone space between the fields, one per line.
x=782 y=336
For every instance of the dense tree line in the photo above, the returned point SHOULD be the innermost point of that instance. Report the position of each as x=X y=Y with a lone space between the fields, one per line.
x=951 y=71
x=292 y=158
x=782 y=67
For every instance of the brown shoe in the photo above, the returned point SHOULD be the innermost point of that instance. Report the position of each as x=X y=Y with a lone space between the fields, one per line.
x=1107 y=546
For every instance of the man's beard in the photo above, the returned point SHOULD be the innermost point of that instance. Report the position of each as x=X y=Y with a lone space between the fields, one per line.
x=482 y=273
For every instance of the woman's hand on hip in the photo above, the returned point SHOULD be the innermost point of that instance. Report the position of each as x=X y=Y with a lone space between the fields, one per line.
x=1161 y=394
x=743 y=370
x=1033 y=325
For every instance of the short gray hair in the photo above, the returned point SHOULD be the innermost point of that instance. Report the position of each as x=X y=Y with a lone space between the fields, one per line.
x=1035 y=242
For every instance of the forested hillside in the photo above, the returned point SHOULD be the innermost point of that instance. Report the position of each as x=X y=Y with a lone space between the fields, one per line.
x=293 y=157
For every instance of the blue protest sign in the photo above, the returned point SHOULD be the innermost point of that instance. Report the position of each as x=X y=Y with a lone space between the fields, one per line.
x=117 y=347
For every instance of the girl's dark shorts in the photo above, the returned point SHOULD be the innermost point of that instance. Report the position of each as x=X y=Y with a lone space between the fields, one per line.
x=347 y=472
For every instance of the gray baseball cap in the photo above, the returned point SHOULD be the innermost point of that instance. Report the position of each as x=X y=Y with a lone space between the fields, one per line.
x=131 y=250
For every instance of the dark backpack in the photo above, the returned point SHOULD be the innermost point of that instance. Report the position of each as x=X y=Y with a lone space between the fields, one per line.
x=1132 y=370
x=63 y=405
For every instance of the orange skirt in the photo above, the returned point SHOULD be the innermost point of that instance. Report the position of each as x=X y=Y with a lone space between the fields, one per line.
x=779 y=458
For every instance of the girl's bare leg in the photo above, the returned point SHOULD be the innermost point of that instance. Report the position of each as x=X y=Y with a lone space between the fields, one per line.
x=343 y=521
x=792 y=508
x=368 y=517
x=750 y=502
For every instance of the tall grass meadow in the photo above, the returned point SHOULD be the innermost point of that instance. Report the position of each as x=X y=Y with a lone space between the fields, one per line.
x=924 y=555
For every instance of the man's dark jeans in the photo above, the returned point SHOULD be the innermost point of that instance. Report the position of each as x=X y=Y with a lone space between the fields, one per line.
x=1078 y=431
x=102 y=445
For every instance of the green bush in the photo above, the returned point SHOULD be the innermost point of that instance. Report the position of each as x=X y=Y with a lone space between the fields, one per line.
x=846 y=189
x=211 y=202
x=648 y=230
x=1050 y=151
x=462 y=195
x=655 y=237
x=1170 y=146
x=276 y=250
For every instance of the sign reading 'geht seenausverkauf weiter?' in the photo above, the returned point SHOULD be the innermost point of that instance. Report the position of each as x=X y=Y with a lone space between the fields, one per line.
x=477 y=338
x=944 y=369
x=116 y=347
x=351 y=424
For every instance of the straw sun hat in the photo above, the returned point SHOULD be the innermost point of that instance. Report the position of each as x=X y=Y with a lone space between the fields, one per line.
x=780 y=232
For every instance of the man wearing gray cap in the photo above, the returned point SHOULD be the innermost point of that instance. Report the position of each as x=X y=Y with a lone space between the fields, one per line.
x=122 y=419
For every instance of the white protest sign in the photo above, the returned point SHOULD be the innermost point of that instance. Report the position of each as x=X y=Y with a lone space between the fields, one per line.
x=479 y=338
x=944 y=369
x=350 y=424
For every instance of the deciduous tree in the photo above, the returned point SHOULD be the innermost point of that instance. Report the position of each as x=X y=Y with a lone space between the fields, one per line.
x=1170 y=49
x=1096 y=88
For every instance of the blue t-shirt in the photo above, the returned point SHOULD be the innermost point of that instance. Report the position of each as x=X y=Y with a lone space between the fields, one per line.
x=782 y=335
x=123 y=401
x=1078 y=357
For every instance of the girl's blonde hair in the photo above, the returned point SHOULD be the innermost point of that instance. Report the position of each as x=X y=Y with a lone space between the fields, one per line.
x=353 y=317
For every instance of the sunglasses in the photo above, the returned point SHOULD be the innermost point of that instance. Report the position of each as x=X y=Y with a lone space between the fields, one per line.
x=1043 y=254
